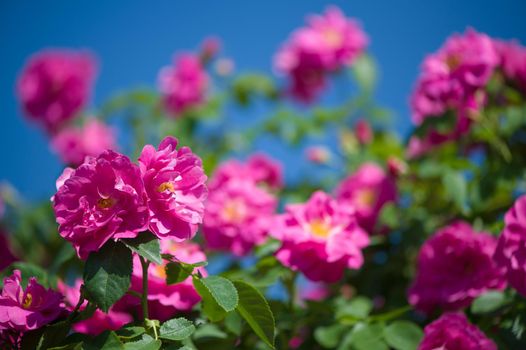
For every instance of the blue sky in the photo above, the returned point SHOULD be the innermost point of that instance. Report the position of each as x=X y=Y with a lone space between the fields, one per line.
x=133 y=39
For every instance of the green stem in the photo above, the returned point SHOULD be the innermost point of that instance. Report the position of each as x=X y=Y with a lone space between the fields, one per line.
x=144 y=296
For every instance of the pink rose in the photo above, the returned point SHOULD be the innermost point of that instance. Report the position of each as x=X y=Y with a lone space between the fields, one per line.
x=175 y=184
x=511 y=248
x=454 y=267
x=55 y=85
x=512 y=61
x=99 y=321
x=73 y=144
x=165 y=301
x=184 y=84
x=320 y=238
x=453 y=331
x=102 y=199
x=27 y=309
x=367 y=191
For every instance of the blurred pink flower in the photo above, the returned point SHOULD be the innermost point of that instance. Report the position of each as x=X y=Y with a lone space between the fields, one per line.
x=164 y=300
x=512 y=61
x=103 y=199
x=73 y=144
x=367 y=191
x=454 y=267
x=175 y=184
x=27 y=309
x=320 y=238
x=55 y=85
x=511 y=248
x=396 y=166
x=318 y=154
x=364 y=132
x=327 y=43
x=452 y=331
x=238 y=216
x=99 y=321
x=209 y=48
x=184 y=84
x=258 y=168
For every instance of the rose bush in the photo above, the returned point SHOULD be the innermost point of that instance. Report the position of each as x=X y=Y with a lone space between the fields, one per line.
x=209 y=241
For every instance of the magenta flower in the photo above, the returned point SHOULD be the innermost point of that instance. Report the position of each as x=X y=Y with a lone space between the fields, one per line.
x=175 y=184
x=367 y=191
x=55 y=85
x=512 y=61
x=318 y=154
x=320 y=238
x=209 y=48
x=165 y=301
x=326 y=44
x=238 y=216
x=73 y=144
x=511 y=249
x=364 y=132
x=454 y=267
x=258 y=168
x=184 y=84
x=100 y=321
x=32 y=308
x=102 y=199
x=453 y=331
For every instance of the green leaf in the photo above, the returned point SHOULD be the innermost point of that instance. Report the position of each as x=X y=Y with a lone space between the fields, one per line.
x=209 y=330
x=54 y=334
x=72 y=346
x=358 y=308
x=367 y=337
x=488 y=302
x=176 y=273
x=254 y=308
x=329 y=337
x=27 y=270
x=104 y=341
x=219 y=296
x=146 y=245
x=146 y=343
x=130 y=332
x=177 y=329
x=403 y=335
x=107 y=274
x=364 y=70
x=456 y=188
x=233 y=323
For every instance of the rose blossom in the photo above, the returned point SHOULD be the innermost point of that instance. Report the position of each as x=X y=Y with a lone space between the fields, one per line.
x=259 y=168
x=184 y=84
x=238 y=216
x=454 y=267
x=364 y=132
x=512 y=61
x=511 y=248
x=320 y=238
x=99 y=321
x=27 y=309
x=175 y=184
x=102 y=199
x=327 y=43
x=55 y=85
x=165 y=301
x=73 y=144
x=367 y=190
x=453 y=331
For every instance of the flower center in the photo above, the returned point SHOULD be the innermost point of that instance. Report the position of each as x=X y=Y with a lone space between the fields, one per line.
x=366 y=198
x=27 y=301
x=319 y=228
x=105 y=203
x=160 y=271
x=166 y=186
x=234 y=211
x=453 y=61
x=332 y=37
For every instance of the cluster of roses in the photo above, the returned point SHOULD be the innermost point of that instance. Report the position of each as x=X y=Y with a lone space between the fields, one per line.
x=455 y=79
x=55 y=85
x=328 y=43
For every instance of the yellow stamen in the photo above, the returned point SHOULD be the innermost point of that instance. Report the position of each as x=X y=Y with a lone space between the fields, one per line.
x=105 y=203
x=234 y=211
x=27 y=301
x=160 y=271
x=319 y=228
x=166 y=186
x=453 y=61
x=333 y=38
x=366 y=198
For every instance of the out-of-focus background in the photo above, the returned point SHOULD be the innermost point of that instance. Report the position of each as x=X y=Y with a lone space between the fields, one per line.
x=134 y=39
